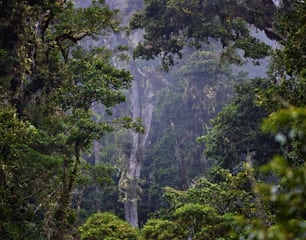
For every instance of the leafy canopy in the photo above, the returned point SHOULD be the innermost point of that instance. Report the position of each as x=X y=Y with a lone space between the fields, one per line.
x=170 y=25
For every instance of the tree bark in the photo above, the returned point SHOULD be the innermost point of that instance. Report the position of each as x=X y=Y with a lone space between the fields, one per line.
x=129 y=184
x=134 y=164
x=68 y=181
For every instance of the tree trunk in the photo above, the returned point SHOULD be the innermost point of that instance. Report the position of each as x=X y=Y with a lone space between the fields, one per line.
x=129 y=184
x=68 y=181
x=96 y=150
x=134 y=164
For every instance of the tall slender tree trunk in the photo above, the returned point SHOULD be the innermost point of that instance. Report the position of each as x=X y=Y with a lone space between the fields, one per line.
x=134 y=164
x=68 y=181
x=141 y=108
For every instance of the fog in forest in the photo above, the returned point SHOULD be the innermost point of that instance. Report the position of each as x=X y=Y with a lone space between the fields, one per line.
x=158 y=119
x=175 y=107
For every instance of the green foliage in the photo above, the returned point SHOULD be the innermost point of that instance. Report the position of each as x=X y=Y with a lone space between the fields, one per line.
x=288 y=199
x=236 y=134
x=253 y=47
x=293 y=27
x=288 y=66
x=23 y=176
x=291 y=121
x=171 y=25
x=51 y=83
x=288 y=126
x=274 y=210
x=207 y=209
x=158 y=229
x=48 y=85
x=197 y=89
x=107 y=226
x=287 y=194
x=98 y=175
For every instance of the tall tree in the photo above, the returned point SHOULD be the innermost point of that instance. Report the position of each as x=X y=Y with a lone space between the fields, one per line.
x=236 y=136
x=142 y=108
x=52 y=83
x=196 y=90
x=206 y=209
x=171 y=25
